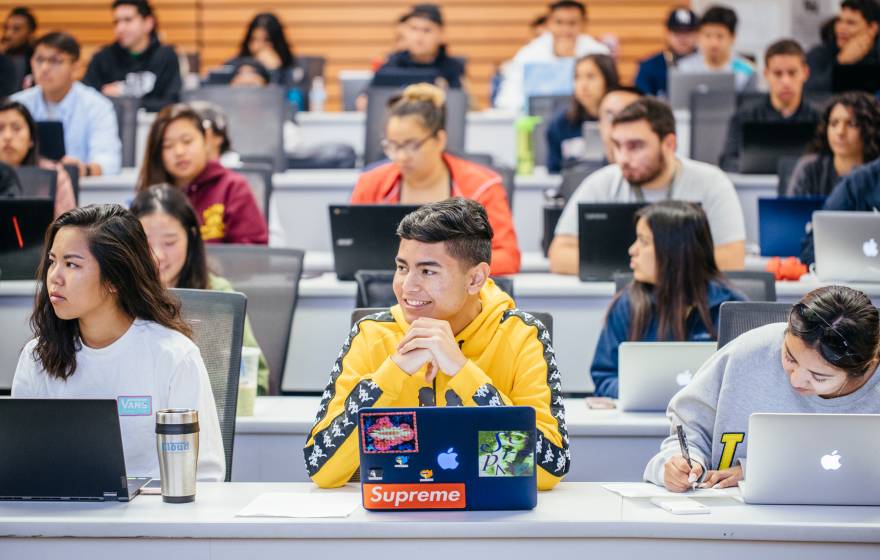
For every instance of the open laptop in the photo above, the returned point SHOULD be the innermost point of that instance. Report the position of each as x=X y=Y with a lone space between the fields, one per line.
x=783 y=222
x=683 y=84
x=816 y=459
x=65 y=450
x=50 y=140
x=365 y=236
x=23 y=224
x=454 y=458
x=650 y=373
x=763 y=144
x=847 y=246
x=605 y=232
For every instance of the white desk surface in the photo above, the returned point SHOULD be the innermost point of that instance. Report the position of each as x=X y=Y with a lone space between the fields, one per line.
x=571 y=511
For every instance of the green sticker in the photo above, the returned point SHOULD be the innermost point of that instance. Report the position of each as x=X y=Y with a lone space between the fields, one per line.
x=506 y=453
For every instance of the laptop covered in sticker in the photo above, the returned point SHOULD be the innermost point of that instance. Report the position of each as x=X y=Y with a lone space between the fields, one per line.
x=448 y=458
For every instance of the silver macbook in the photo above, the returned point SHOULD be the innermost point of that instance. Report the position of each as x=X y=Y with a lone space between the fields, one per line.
x=817 y=459
x=847 y=246
x=683 y=84
x=650 y=373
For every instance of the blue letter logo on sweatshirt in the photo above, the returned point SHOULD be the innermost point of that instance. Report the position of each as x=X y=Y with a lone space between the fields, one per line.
x=135 y=406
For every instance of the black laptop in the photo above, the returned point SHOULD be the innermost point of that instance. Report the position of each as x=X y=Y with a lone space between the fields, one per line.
x=605 y=233
x=401 y=77
x=365 y=236
x=763 y=144
x=50 y=140
x=23 y=224
x=63 y=450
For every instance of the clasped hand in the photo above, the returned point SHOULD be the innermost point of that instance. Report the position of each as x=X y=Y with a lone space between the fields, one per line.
x=429 y=342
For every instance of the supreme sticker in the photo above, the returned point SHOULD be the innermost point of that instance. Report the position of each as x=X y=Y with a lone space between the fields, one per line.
x=414 y=496
x=382 y=432
x=507 y=453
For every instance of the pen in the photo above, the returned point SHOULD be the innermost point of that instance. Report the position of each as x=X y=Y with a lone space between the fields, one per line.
x=683 y=444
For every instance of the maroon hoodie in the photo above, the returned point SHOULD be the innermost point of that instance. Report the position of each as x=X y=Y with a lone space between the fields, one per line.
x=226 y=208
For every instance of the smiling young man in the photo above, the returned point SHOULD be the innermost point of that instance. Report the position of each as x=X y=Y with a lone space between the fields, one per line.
x=137 y=64
x=453 y=339
x=786 y=72
x=646 y=169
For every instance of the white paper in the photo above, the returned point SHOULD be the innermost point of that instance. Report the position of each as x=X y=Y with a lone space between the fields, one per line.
x=648 y=490
x=288 y=504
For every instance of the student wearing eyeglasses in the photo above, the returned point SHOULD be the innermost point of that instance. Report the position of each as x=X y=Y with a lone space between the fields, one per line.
x=421 y=171
x=823 y=360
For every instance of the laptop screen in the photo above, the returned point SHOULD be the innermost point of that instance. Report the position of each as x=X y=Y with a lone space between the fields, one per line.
x=23 y=224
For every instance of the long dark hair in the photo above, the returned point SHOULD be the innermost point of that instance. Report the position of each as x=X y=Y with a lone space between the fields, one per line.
x=685 y=259
x=270 y=23
x=866 y=114
x=841 y=324
x=171 y=200
x=577 y=113
x=153 y=171
x=7 y=104
x=119 y=244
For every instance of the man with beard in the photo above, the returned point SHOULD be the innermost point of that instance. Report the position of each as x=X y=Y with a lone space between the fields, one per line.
x=646 y=169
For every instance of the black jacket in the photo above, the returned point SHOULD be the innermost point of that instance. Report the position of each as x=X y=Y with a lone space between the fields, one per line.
x=822 y=58
x=450 y=69
x=153 y=75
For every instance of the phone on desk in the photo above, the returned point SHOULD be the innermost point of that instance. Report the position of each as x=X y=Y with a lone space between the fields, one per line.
x=152 y=488
x=680 y=506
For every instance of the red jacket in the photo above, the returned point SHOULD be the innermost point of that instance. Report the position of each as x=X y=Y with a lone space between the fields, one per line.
x=381 y=185
x=226 y=208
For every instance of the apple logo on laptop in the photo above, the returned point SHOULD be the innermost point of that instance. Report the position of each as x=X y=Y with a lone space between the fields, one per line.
x=684 y=378
x=831 y=462
x=870 y=248
x=448 y=460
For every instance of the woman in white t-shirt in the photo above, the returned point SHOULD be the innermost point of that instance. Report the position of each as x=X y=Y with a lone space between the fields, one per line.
x=105 y=328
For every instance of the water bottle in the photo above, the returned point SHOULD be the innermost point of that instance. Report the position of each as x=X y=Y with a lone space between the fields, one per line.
x=177 y=442
x=317 y=95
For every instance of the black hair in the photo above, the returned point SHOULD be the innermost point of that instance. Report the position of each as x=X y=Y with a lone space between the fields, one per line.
x=269 y=23
x=869 y=9
x=143 y=6
x=785 y=47
x=172 y=201
x=257 y=66
x=61 y=41
x=564 y=4
x=720 y=15
x=841 y=324
x=577 y=113
x=31 y=157
x=460 y=223
x=866 y=114
x=657 y=113
x=22 y=11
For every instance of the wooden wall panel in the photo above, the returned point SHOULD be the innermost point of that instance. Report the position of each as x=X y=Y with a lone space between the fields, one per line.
x=352 y=34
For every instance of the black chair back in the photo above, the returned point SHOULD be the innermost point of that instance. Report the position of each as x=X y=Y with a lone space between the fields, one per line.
x=374 y=288
x=737 y=317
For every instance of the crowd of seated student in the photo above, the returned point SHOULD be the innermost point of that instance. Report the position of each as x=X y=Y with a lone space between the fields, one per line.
x=594 y=76
x=786 y=71
x=647 y=169
x=136 y=64
x=175 y=239
x=848 y=136
x=265 y=42
x=715 y=39
x=105 y=326
x=454 y=338
x=854 y=41
x=19 y=147
x=425 y=48
x=824 y=360
x=91 y=136
x=681 y=41
x=421 y=171
x=676 y=292
x=176 y=153
x=563 y=39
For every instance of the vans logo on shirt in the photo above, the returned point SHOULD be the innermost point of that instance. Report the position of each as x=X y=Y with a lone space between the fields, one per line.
x=134 y=406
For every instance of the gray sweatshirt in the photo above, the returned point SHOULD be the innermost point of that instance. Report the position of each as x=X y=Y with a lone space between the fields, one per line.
x=744 y=377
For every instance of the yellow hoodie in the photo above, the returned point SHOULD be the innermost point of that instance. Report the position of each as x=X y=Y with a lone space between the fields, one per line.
x=510 y=361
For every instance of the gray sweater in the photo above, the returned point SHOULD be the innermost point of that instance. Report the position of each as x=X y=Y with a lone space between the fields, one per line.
x=744 y=377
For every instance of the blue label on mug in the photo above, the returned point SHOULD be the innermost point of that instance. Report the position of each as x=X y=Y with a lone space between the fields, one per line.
x=175 y=446
x=134 y=406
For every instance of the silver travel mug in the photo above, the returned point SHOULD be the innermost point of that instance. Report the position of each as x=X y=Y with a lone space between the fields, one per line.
x=177 y=441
